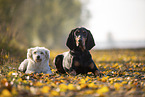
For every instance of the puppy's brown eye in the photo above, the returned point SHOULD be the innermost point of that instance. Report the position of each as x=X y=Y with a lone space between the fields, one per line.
x=41 y=53
x=34 y=52
x=77 y=33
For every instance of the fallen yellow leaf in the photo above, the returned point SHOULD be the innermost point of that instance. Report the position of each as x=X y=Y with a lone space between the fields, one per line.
x=89 y=92
x=54 y=93
x=117 y=86
x=38 y=84
x=82 y=81
x=102 y=90
x=71 y=87
x=14 y=91
x=124 y=82
x=63 y=87
x=45 y=89
x=92 y=85
x=5 y=93
x=83 y=86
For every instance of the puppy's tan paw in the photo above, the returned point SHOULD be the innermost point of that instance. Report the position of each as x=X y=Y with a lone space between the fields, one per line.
x=97 y=73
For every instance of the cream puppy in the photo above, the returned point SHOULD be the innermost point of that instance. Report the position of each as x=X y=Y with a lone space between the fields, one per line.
x=37 y=61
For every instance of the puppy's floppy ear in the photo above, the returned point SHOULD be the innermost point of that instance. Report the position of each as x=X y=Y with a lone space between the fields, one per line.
x=90 y=41
x=47 y=53
x=29 y=53
x=71 y=40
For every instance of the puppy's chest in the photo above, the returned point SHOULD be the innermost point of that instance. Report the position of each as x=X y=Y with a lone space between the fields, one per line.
x=39 y=67
x=82 y=58
x=76 y=59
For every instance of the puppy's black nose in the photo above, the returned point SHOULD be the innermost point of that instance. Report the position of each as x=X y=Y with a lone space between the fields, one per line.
x=38 y=57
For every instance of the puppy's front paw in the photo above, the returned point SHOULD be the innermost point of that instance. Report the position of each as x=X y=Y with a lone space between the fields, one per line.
x=29 y=72
x=73 y=72
x=97 y=73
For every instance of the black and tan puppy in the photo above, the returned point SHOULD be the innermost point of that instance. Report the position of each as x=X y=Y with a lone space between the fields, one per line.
x=78 y=59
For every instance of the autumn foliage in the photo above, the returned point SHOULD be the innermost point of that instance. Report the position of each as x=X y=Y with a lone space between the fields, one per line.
x=123 y=75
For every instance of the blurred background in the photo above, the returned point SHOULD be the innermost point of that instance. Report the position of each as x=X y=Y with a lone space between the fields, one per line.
x=118 y=23
x=113 y=23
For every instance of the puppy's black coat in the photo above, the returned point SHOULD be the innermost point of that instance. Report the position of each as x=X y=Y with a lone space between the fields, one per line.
x=78 y=59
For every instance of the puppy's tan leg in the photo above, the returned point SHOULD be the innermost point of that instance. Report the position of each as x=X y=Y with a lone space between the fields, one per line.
x=91 y=66
x=94 y=69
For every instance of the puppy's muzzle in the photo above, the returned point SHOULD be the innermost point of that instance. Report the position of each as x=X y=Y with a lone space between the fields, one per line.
x=80 y=42
x=38 y=59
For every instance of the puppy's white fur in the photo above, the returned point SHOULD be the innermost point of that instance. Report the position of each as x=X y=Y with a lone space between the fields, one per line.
x=37 y=61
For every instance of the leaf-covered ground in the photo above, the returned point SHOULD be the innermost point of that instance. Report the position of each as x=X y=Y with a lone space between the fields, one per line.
x=124 y=75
